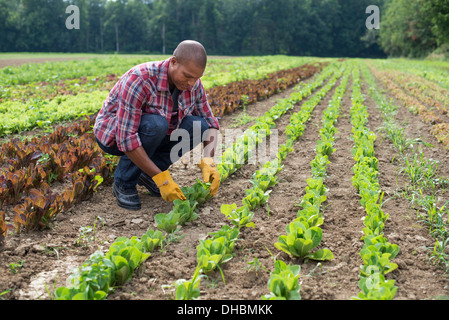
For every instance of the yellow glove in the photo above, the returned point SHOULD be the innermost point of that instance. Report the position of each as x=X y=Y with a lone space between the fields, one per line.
x=210 y=174
x=169 y=189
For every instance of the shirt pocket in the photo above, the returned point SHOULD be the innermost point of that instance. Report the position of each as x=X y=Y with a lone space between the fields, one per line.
x=155 y=105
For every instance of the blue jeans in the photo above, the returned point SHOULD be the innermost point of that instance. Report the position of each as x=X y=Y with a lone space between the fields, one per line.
x=158 y=145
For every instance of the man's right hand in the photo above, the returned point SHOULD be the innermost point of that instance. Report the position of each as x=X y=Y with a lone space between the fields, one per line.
x=170 y=191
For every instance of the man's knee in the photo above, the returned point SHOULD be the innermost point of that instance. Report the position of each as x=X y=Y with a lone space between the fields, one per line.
x=196 y=126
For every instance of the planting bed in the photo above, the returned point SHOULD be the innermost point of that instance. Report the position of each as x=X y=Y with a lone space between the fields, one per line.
x=33 y=264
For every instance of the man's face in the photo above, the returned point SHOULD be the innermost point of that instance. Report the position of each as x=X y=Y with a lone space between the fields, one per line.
x=184 y=76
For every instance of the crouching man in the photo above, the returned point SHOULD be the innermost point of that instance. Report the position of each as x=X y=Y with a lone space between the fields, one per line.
x=139 y=120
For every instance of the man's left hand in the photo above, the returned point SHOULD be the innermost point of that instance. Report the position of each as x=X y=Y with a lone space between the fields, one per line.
x=210 y=174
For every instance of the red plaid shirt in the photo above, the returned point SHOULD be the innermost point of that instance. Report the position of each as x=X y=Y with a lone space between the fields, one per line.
x=141 y=90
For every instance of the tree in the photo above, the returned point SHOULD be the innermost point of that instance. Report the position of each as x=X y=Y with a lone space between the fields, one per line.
x=405 y=30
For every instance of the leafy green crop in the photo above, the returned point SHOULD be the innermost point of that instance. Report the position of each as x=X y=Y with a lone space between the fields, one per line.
x=183 y=211
x=255 y=197
x=188 y=289
x=301 y=239
x=376 y=253
x=240 y=217
x=199 y=192
x=283 y=283
x=95 y=278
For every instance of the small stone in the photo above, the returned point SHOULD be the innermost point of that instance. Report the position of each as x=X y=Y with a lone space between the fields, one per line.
x=420 y=238
x=38 y=248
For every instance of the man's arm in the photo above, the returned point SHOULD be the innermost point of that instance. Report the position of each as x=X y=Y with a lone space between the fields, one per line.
x=140 y=158
x=210 y=143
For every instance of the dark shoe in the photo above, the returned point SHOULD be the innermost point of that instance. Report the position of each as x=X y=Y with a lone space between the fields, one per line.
x=146 y=181
x=126 y=198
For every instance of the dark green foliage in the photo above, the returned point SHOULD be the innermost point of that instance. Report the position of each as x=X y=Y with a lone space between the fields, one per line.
x=225 y=27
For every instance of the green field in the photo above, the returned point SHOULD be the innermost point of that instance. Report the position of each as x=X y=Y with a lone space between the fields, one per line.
x=353 y=205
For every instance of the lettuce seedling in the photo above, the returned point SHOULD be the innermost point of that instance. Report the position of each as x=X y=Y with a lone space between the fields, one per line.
x=230 y=234
x=375 y=287
x=283 y=151
x=324 y=147
x=300 y=239
x=91 y=281
x=318 y=165
x=188 y=290
x=374 y=258
x=255 y=197
x=283 y=283
x=183 y=211
x=199 y=192
x=126 y=256
x=152 y=239
x=213 y=252
x=168 y=222
x=240 y=217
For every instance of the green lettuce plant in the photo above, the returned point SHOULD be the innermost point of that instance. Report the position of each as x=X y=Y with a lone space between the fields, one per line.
x=301 y=239
x=240 y=217
x=283 y=283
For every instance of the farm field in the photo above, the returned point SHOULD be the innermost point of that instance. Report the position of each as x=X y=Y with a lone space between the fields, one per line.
x=353 y=205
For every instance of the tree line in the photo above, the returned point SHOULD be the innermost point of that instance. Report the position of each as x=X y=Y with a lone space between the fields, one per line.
x=332 y=28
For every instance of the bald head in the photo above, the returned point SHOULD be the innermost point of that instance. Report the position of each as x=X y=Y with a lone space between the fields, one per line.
x=191 y=51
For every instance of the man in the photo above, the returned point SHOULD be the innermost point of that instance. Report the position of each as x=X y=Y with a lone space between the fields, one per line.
x=143 y=116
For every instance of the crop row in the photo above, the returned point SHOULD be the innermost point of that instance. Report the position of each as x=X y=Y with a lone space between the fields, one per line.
x=424 y=69
x=224 y=99
x=195 y=194
x=377 y=252
x=57 y=70
x=218 y=249
x=424 y=183
x=304 y=233
x=412 y=103
x=218 y=72
x=426 y=91
x=51 y=90
x=439 y=125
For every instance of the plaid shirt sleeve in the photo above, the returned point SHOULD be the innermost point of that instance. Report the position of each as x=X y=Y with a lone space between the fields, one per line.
x=131 y=96
x=203 y=109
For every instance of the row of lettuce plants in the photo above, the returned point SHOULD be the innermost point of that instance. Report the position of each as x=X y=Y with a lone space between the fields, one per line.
x=211 y=253
x=424 y=182
x=376 y=252
x=99 y=274
x=304 y=233
x=424 y=68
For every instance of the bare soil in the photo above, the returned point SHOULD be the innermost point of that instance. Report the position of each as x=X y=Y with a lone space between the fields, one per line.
x=49 y=256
